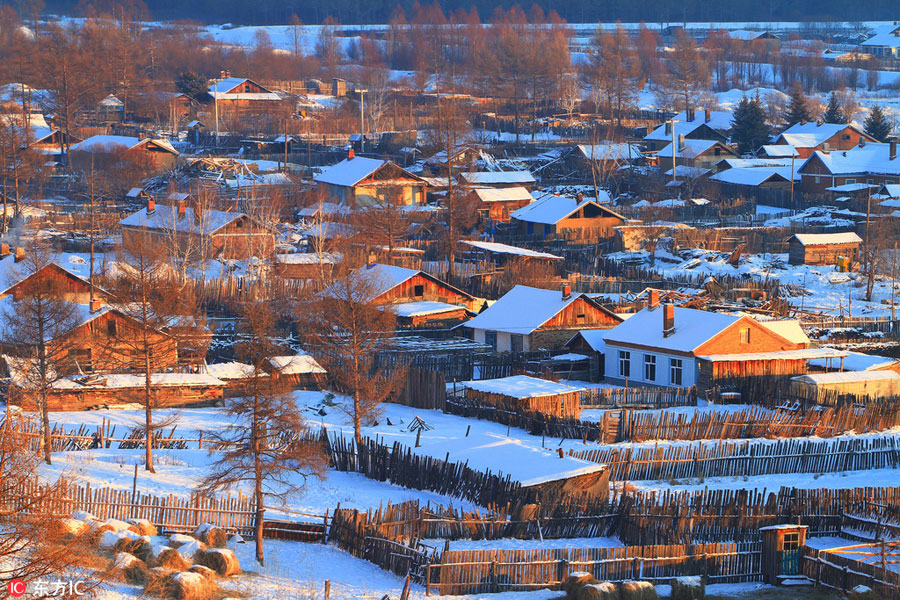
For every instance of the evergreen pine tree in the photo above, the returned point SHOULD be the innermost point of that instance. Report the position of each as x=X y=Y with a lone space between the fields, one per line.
x=798 y=109
x=877 y=125
x=835 y=112
x=749 y=129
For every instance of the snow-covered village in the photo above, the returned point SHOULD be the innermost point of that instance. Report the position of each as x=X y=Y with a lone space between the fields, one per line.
x=462 y=300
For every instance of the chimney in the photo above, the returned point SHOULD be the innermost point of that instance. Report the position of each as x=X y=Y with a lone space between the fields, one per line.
x=224 y=74
x=668 y=127
x=690 y=114
x=580 y=197
x=654 y=298
x=95 y=305
x=151 y=206
x=668 y=319
x=892 y=150
x=4 y=250
x=350 y=154
x=20 y=254
x=372 y=259
x=182 y=209
x=141 y=135
x=566 y=291
x=862 y=142
x=681 y=142
x=708 y=115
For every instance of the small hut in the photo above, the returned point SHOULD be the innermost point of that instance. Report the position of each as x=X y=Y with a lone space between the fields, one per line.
x=817 y=387
x=781 y=551
x=822 y=248
x=529 y=394
x=300 y=371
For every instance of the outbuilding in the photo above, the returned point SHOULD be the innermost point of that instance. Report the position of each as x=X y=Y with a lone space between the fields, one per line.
x=823 y=248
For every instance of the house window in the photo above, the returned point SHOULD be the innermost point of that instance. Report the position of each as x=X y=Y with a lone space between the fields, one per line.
x=529 y=228
x=650 y=367
x=846 y=136
x=418 y=291
x=516 y=343
x=239 y=224
x=111 y=330
x=624 y=363
x=745 y=335
x=490 y=338
x=718 y=151
x=81 y=359
x=870 y=181
x=849 y=181
x=580 y=318
x=675 y=371
x=818 y=179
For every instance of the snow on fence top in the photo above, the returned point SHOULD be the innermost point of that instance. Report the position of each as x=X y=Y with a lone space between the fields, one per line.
x=521 y=386
x=824 y=239
x=847 y=377
x=499 y=248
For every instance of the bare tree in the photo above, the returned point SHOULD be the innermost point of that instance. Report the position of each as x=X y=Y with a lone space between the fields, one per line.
x=688 y=71
x=265 y=447
x=36 y=322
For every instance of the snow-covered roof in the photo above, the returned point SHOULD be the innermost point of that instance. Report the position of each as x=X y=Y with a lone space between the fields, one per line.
x=324 y=208
x=889 y=190
x=508 y=194
x=520 y=387
x=421 y=308
x=753 y=176
x=165 y=217
x=692 y=328
x=779 y=150
x=856 y=361
x=691 y=149
x=825 y=239
x=551 y=209
x=309 y=258
x=224 y=89
x=350 y=171
x=522 y=310
x=377 y=279
x=296 y=365
x=230 y=370
x=799 y=354
x=719 y=120
x=789 y=329
x=870 y=159
x=111 y=102
x=105 y=143
x=885 y=36
x=849 y=188
x=745 y=34
x=594 y=338
x=812 y=134
x=499 y=248
x=18 y=366
x=497 y=177
x=609 y=151
x=846 y=377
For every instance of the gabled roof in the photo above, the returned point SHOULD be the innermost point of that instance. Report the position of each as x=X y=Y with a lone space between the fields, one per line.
x=166 y=218
x=497 y=177
x=811 y=135
x=380 y=279
x=693 y=328
x=552 y=209
x=779 y=150
x=719 y=120
x=524 y=309
x=224 y=88
x=105 y=143
x=351 y=171
x=498 y=248
x=871 y=159
x=826 y=239
x=693 y=149
x=509 y=194
x=754 y=176
x=886 y=36
x=609 y=151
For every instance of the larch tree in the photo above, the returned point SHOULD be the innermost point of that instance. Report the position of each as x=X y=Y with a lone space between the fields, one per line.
x=265 y=447
x=877 y=125
x=37 y=320
x=688 y=70
x=613 y=70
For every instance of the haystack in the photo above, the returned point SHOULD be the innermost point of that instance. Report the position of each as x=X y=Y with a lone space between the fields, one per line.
x=575 y=581
x=133 y=569
x=68 y=529
x=157 y=580
x=205 y=571
x=80 y=515
x=118 y=525
x=169 y=558
x=190 y=550
x=132 y=544
x=688 y=588
x=144 y=526
x=189 y=586
x=597 y=591
x=637 y=590
x=176 y=540
x=211 y=535
x=97 y=528
x=220 y=560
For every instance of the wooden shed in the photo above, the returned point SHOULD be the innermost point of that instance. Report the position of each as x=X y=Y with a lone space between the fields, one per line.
x=299 y=372
x=524 y=393
x=781 y=552
x=822 y=248
x=875 y=384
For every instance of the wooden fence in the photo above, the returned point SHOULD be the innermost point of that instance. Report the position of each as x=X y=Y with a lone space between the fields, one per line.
x=638 y=397
x=424 y=389
x=491 y=571
x=843 y=573
x=737 y=459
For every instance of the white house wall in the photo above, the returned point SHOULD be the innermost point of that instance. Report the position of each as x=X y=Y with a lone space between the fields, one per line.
x=689 y=368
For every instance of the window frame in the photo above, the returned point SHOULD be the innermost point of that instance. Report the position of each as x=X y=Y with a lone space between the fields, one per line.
x=624 y=363
x=676 y=365
x=649 y=367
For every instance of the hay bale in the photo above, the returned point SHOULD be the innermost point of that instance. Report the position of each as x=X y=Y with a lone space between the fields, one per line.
x=157 y=579
x=80 y=515
x=190 y=550
x=133 y=569
x=129 y=545
x=189 y=586
x=118 y=525
x=97 y=528
x=211 y=535
x=576 y=581
x=176 y=540
x=108 y=540
x=688 y=588
x=144 y=527
x=220 y=560
x=597 y=591
x=68 y=529
x=205 y=571
x=169 y=558
x=637 y=590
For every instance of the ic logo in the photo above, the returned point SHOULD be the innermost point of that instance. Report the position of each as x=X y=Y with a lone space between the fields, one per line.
x=16 y=588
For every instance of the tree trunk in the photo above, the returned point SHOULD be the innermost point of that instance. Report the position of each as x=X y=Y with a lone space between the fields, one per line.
x=148 y=414
x=45 y=425
x=357 y=422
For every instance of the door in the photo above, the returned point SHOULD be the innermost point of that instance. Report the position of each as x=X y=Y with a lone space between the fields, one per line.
x=790 y=555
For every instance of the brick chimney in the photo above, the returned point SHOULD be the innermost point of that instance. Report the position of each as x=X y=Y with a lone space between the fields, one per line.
x=95 y=304
x=372 y=259
x=681 y=143
x=654 y=298
x=892 y=150
x=151 y=206
x=4 y=250
x=668 y=319
x=20 y=254
x=182 y=209
x=566 y=291
x=350 y=154
x=708 y=115
x=862 y=142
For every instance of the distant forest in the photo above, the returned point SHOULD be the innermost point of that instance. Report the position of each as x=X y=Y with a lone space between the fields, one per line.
x=269 y=12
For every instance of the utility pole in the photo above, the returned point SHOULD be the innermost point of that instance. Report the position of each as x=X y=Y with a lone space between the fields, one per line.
x=362 y=120
x=674 y=149
x=793 y=156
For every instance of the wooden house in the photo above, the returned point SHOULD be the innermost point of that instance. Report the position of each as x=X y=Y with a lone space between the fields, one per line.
x=807 y=138
x=883 y=42
x=781 y=546
x=300 y=371
x=823 y=248
x=498 y=179
x=527 y=319
x=104 y=151
x=416 y=297
x=707 y=125
x=236 y=96
x=222 y=234
x=607 y=157
x=521 y=393
x=66 y=284
x=497 y=203
x=704 y=154
x=872 y=164
x=672 y=346
x=307 y=265
x=566 y=216
x=359 y=182
x=460 y=159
